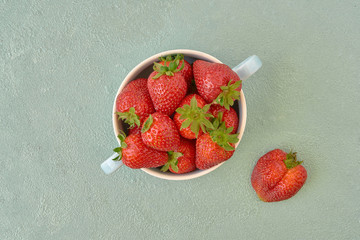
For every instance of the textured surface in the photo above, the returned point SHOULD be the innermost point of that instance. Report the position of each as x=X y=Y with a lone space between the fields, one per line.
x=61 y=63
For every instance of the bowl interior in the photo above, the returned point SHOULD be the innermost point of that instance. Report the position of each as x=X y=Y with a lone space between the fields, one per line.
x=143 y=70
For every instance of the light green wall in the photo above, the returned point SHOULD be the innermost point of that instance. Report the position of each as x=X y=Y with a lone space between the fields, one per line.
x=61 y=63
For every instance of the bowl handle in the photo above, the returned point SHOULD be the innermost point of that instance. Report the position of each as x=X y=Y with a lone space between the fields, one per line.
x=248 y=67
x=109 y=165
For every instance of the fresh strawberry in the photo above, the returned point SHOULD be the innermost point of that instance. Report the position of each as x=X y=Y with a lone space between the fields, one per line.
x=134 y=103
x=215 y=147
x=191 y=118
x=183 y=159
x=228 y=116
x=160 y=132
x=217 y=82
x=186 y=72
x=135 y=154
x=167 y=87
x=278 y=176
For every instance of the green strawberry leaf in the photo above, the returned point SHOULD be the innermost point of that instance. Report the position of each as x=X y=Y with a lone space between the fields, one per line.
x=172 y=57
x=207 y=124
x=169 y=73
x=181 y=110
x=157 y=75
x=228 y=147
x=206 y=107
x=157 y=66
x=186 y=123
x=147 y=124
x=172 y=161
x=172 y=66
x=195 y=117
x=129 y=117
x=195 y=127
x=216 y=123
x=123 y=145
x=121 y=136
x=291 y=160
x=221 y=135
x=165 y=168
x=193 y=103
x=117 y=149
x=181 y=68
x=175 y=168
x=229 y=94
x=168 y=70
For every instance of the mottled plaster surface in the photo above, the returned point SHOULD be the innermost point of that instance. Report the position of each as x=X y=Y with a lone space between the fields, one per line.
x=61 y=63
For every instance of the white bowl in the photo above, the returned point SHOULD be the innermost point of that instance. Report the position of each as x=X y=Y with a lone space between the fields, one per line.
x=143 y=70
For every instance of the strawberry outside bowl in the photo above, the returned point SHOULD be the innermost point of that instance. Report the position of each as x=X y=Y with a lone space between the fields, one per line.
x=245 y=69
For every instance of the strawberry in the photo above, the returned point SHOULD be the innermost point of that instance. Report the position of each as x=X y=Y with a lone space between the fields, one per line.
x=167 y=87
x=217 y=82
x=160 y=132
x=191 y=118
x=135 y=154
x=183 y=160
x=186 y=72
x=228 y=116
x=134 y=103
x=278 y=176
x=215 y=147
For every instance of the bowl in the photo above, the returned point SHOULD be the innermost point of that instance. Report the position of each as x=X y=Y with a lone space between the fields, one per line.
x=143 y=70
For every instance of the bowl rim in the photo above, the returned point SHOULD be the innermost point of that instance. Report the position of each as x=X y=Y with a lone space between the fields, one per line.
x=146 y=63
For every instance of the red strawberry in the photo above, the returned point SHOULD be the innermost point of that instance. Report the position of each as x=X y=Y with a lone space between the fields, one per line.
x=167 y=87
x=216 y=81
x=215 y=147
x=186 y=72
x=191 y=116
x=278 y=176
x=135 y=154
x=228 y=116
x=134 y=103
x=160 y=132
x=183 y=160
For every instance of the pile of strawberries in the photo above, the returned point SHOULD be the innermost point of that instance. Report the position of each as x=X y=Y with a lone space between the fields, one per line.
x=180 y=118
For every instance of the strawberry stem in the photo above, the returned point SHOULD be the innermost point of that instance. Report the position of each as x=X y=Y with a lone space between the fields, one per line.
x=171 y=69
x=172 y=161
x=129 y=117
x=221 y=135
x=123 y=145
x=172 y=57
x=291 y=160
x=229 y=94
x=195 y=117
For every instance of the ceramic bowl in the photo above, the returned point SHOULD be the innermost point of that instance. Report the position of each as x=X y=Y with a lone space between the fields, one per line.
x=143 y=70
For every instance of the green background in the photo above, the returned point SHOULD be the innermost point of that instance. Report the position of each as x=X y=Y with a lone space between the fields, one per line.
x=61 y=63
